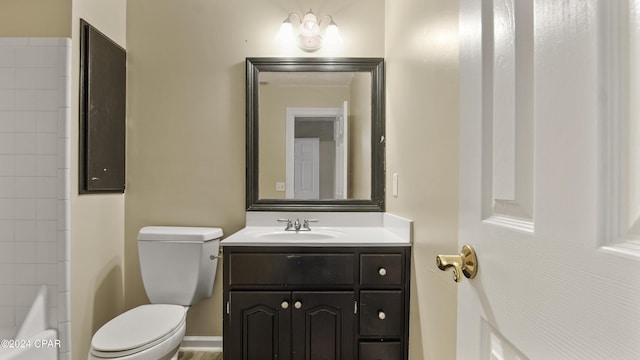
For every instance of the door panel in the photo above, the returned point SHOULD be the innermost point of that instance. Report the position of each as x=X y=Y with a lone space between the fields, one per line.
x=548 y=179
x=507 y=116
x=260 y=326
x=497 y=347
x=307 y=169
x=621 y=140
x=323 y=325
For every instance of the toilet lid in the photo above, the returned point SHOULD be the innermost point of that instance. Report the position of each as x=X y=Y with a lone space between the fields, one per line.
x=138 y=327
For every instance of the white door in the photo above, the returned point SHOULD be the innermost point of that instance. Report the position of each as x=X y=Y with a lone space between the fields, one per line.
x=296 y=114
x=342 y=152
x=550 y=179
x=306 y=182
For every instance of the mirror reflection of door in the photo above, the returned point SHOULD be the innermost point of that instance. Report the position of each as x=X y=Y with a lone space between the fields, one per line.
x=329 y=128
x=307 y=169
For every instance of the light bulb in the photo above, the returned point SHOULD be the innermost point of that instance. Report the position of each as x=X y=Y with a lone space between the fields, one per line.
x=332 y=35
x=285 y=36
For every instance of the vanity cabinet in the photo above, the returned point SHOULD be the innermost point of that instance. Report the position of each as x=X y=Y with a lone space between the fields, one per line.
x=291 y=325
x=298 y=303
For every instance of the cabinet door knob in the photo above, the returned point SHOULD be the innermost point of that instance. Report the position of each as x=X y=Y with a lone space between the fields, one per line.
x=382 y=271
x=382 y=315
x=297 y=304
x=285 y=305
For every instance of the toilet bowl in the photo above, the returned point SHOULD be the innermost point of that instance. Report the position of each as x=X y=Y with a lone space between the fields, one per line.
x=146 y=332
x=179 y=265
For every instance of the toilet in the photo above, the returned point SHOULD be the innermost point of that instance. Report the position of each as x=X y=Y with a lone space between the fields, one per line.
x=178 y=267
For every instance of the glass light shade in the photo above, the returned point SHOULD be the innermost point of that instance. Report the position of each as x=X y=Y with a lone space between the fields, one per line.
x=332 y=35
x=285 y=35
x=309 y=26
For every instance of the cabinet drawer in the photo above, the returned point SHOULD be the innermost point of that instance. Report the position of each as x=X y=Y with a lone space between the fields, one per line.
x=381 y=269
x=380 y=350
x=381 y=313
x=291 y=269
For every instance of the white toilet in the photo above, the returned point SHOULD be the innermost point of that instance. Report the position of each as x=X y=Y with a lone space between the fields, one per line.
x=178 y=269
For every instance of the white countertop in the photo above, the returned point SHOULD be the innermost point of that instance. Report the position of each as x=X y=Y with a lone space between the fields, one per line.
x=378 y=230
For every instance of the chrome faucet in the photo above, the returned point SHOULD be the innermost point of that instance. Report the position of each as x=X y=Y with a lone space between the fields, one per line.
x=296 y=225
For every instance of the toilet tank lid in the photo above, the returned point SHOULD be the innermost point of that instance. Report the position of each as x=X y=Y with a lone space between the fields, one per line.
x=179 y=233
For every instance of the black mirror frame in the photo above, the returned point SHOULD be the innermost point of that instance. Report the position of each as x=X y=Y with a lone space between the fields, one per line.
x=373 y=65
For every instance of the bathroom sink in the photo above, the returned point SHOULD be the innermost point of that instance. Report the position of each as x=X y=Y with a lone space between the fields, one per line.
x=298 y=235
x=339 y=230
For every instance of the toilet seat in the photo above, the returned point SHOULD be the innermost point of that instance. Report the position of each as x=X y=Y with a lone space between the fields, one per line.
x=139 y=330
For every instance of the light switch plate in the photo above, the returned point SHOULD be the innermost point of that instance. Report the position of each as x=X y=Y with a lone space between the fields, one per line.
x=395 y=184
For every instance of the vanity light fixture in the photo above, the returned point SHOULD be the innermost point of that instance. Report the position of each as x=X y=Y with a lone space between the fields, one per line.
x=309 y=38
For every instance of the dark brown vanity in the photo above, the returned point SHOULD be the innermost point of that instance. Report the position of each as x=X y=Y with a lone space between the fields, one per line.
x=303 y=302
x=339 y=288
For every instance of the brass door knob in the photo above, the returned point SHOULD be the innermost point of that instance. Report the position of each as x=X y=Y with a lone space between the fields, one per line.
x=464 y=263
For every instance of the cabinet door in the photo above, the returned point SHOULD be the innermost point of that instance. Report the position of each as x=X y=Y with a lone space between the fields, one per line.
x=260 y=325
x=323 y=325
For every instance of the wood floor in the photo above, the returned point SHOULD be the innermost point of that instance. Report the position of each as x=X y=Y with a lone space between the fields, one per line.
x=189 y=355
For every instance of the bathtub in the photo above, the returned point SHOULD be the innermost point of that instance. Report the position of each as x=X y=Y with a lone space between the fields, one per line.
x=33 y=340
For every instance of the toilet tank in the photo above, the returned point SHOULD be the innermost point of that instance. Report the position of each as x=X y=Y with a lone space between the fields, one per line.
x=178 y=264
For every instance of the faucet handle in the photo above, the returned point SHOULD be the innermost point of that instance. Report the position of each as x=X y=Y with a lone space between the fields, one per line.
x=288 y=221
x=306 y=223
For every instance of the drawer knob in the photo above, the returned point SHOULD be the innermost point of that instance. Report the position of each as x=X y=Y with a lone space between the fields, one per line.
x=285 y=305
x=297 y=304
x=382 y=271
x=382 y=315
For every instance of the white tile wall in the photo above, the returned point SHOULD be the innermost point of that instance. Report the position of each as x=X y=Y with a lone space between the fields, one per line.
x=6 y=295
x=6 y=252
x=35 y=166
x=6 y=274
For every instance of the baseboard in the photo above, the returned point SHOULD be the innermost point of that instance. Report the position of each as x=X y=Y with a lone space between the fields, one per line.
x=202 y=343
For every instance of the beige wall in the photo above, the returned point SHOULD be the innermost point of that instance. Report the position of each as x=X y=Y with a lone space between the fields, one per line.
x=186 y=113
x=97 y=221
x=35 y=18
x=360 y=137
x=422 y=148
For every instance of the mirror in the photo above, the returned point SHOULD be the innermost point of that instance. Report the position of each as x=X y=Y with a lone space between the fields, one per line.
x=315 y=134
